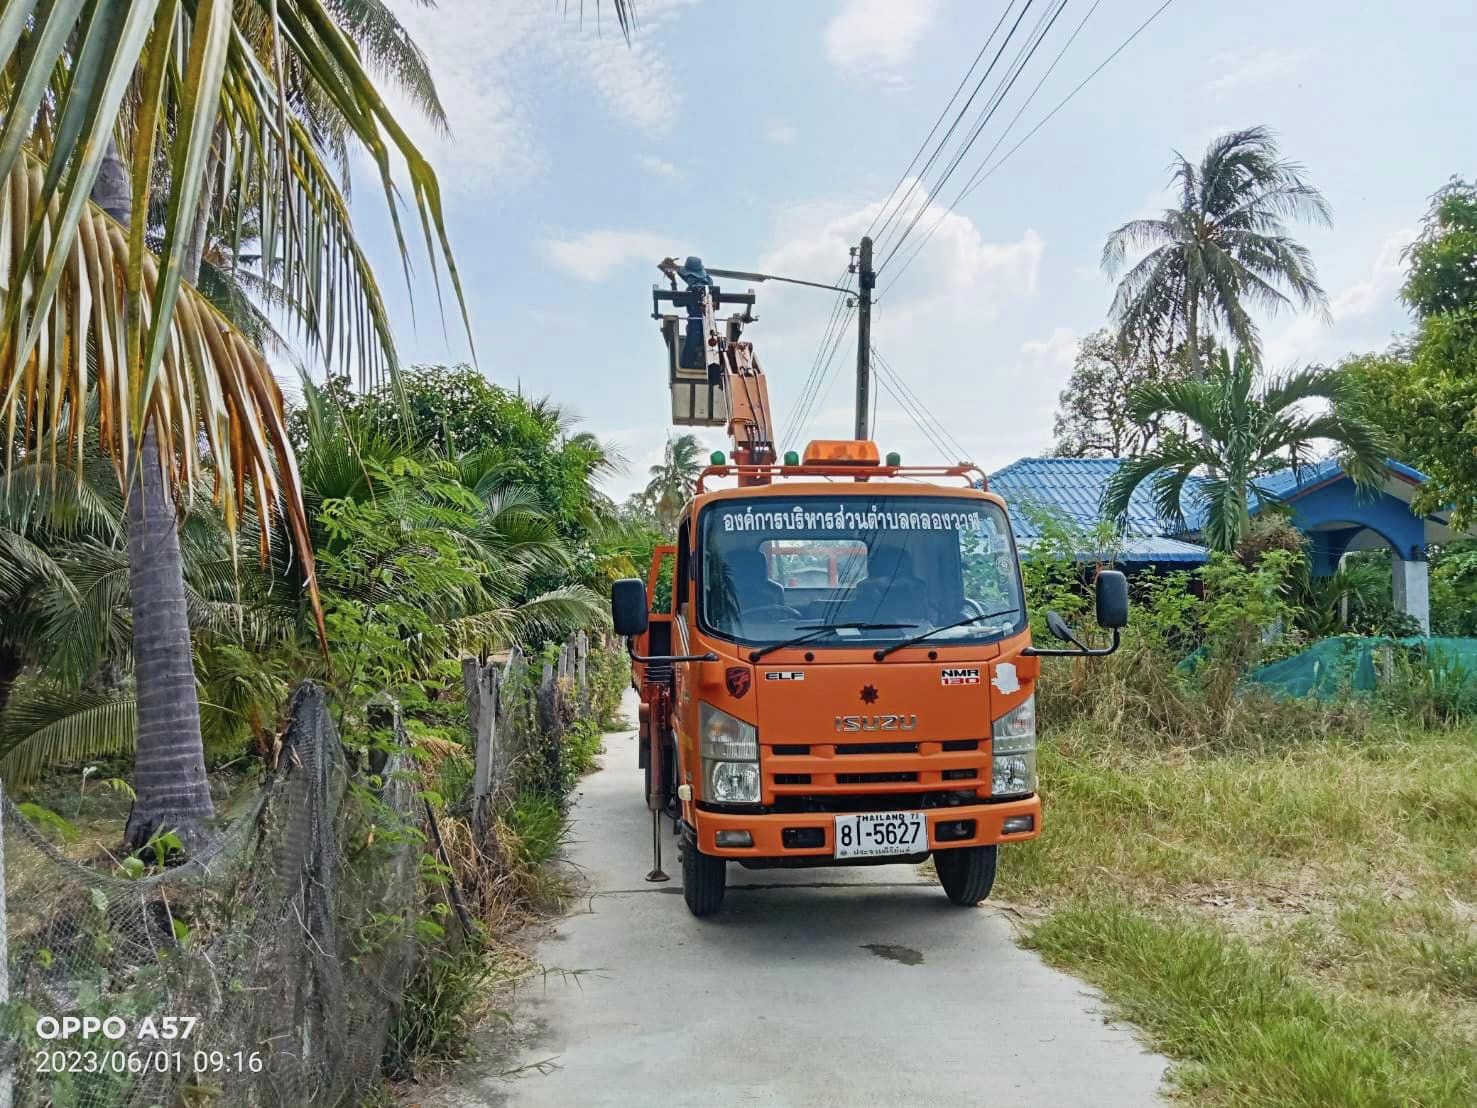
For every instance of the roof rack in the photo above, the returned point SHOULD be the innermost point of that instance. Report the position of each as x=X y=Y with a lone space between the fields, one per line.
x=973 y=476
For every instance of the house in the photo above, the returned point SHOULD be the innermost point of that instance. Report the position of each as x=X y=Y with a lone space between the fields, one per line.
x=1324 y=502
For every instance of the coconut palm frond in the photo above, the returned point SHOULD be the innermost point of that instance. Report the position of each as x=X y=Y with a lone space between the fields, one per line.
x=1246 y=433
x=45 y=725
x=1222 y=249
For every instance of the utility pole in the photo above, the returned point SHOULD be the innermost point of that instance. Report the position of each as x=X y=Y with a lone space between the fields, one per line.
x=865 y=280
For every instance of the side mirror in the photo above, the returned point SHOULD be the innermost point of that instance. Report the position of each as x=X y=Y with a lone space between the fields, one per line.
x=629 y=611
x=1059 y=627
x=1112 y=599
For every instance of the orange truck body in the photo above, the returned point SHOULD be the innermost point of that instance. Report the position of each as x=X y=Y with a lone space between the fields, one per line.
x=838 y=669
x=837 y=729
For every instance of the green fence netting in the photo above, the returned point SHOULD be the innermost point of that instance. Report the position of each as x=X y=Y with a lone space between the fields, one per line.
x=1359 y=662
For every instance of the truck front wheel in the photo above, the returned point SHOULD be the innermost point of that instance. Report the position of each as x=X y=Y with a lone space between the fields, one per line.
x=704 y=879
x=967 y=873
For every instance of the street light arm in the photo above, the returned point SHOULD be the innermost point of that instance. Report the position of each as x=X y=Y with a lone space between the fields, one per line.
x=744 y=275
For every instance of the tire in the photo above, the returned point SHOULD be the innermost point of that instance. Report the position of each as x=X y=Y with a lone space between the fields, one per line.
x=704 y=879
x=967 y=873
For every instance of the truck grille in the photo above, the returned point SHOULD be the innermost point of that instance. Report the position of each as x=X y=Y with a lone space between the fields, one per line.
x=844 y=771
x=874 y=778
x=876 y=748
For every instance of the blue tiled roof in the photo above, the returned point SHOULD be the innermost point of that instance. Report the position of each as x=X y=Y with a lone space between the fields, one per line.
x=1073 y=488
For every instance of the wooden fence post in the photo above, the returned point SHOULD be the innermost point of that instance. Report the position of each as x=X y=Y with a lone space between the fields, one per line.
x=487 y=721
x=506 y=719
x=481 y=686
x=548 y=718
x=471 y=685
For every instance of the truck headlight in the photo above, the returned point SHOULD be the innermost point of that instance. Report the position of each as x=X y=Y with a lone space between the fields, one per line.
x=734 y=782
x=730 y=752
x=1013 y=772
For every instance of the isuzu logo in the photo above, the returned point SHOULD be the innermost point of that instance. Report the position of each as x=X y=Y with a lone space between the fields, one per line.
x=877 y=723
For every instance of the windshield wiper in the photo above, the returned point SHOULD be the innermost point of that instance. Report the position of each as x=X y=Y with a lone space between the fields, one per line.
x=885 y=651
x=816 y=630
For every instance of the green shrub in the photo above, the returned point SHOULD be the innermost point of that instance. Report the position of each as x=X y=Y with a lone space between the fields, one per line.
x=608 y=672
x=435 y=1019
x=582 y=742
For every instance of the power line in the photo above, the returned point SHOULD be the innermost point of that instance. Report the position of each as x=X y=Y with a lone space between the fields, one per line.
x=892 y=391
x=957 y=120
x=1017 y=67
x=1064 y=101
x=813 y=376
x=817 y=396
x=946 y=440
x=887 y=385
x=823 y=353
x=986 y=169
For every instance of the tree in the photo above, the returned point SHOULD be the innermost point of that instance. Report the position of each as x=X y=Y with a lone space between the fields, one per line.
x=220 y=107
x=1423 y=391
x=1092 y=417
x=495 y=435
x=674 y=479
x=1246 y=432
x=1222 y=250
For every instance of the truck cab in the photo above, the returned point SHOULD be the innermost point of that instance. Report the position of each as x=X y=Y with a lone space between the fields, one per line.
x=840 y=672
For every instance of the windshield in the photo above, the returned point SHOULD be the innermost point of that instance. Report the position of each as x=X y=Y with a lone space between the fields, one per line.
x=877 y=568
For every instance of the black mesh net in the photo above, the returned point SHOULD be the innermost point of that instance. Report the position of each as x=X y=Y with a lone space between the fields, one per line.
x=286 y=948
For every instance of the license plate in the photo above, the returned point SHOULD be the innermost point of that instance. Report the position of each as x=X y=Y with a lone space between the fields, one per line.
x=880 y=834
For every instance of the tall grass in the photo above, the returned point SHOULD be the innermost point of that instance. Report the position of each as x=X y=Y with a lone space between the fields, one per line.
x=1250 y=1031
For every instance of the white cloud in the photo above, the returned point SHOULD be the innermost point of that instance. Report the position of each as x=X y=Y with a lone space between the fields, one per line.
x=954 y=254
x=928 y=328
x=1240 y=68
x=1057 y=351
x=659 y=167
x=495 y=65
x=1350 y=310
x=595 y=255
x=781 y=133
x=877 y=36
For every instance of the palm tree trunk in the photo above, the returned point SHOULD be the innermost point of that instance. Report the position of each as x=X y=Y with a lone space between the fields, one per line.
x=1192 y=335
x=169 y=766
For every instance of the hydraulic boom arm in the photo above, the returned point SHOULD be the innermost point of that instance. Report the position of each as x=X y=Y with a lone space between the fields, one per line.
x=715 y=374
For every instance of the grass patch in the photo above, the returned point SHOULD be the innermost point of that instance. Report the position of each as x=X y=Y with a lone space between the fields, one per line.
x=1250 y=1031
x=1297 y=923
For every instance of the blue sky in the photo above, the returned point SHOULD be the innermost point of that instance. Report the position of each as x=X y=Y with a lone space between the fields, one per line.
x=766 y=135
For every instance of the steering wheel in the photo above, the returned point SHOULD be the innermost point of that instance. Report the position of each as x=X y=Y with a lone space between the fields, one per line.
x=973 y=607
x=773 y=613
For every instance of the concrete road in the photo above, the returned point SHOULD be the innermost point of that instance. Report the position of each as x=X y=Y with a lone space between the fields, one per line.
x=811 y=987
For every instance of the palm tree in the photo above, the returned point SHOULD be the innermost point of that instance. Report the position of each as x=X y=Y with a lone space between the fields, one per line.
x=1221 y=251
x=1245 y=433
x=674 y=478
x=211 y=100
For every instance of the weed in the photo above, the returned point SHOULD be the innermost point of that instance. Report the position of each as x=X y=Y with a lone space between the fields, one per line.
x=433 y=1023
x=1251 y=1032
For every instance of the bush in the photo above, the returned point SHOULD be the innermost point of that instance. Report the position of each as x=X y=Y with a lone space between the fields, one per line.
x=1429 y=688
x=1178 y=676
x=436 y=1014
x=609 y=674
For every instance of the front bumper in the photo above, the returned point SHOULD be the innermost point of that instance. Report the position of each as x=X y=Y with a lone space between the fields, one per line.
x=769 y=831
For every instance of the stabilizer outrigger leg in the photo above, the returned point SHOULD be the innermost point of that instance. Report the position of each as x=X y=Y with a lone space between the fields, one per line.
x=657 y=873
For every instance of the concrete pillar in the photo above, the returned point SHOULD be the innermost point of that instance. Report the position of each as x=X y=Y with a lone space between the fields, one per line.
x=1412 y=589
